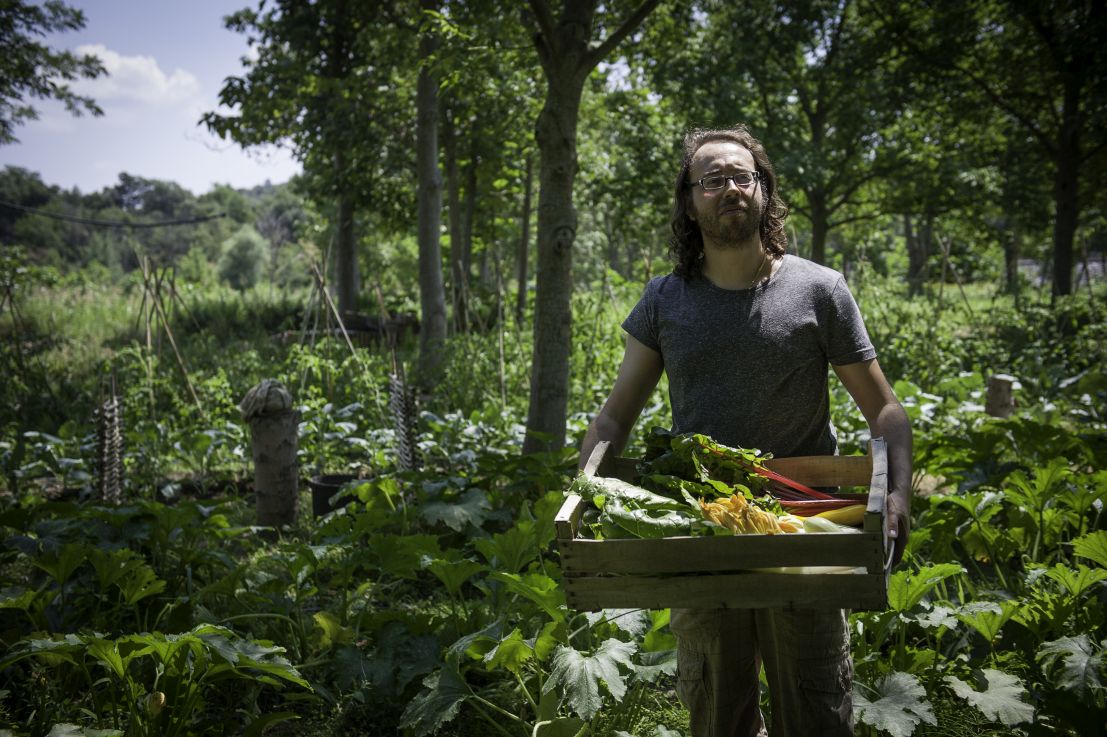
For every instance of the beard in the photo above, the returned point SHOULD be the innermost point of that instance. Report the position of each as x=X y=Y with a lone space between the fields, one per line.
x=736 y=230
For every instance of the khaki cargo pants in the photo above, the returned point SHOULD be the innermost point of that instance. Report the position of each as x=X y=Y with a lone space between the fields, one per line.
x=807 y=663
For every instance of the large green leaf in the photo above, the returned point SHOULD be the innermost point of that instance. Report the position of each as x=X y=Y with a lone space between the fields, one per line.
x=64 y=562
x=454 y=573
x=331 y=631
x=402 y=555
x=653 y=665
x=1079 y=580
x=439 y=701
x=107 y=653
x=1081 y=664
x=988 y=617
x=1001 y=700
x=471 y=509
x=510 y=653
x=510 y=551
x=579 y=675
x=542 y=590
x=635 y=622
x=900 y=706
x=112 y=566
x=139 y=583
x=1092 y=546
x=548 y=638
x=907 y=588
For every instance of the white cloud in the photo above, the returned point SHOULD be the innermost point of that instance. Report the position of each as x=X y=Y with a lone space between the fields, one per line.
x=136 y=79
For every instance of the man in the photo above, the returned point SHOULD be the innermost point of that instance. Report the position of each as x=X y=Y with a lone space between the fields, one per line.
x=745 y=334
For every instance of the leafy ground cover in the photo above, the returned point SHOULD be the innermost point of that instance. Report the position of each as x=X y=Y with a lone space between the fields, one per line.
x=431 y=604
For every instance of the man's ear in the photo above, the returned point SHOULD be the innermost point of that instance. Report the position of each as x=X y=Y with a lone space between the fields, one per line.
x=689 y=210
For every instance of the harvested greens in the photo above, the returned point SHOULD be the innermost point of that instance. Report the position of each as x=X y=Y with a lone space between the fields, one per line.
x=693 y=485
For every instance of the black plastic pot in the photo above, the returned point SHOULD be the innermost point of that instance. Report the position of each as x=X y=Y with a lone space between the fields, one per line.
x=323 y=488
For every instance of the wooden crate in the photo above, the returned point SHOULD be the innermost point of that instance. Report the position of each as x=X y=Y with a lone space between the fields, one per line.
x=722 y=571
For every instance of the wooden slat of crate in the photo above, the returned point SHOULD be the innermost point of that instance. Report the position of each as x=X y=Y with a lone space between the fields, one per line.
x=723 y=591
x=721 y=553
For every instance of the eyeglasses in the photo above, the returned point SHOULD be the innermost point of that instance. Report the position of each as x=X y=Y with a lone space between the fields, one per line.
x=742 y=180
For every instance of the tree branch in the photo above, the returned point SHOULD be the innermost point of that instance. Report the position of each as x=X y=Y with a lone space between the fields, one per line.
x=543 y=17
x=612 y=41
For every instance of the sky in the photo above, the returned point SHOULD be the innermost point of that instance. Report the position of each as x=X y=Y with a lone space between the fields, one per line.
x=166 y=62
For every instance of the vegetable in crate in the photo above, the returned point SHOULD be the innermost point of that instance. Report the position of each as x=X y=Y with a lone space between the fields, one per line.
x=699 y=465
x=627 y=510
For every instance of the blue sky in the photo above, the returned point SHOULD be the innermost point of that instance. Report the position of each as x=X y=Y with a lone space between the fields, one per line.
x=167 y=60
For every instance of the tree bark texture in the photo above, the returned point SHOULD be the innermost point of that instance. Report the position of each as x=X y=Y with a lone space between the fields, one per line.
x=1012 y=246
x=432 y=296
x=453 y=204
x=345 y=259
x=1065 y=189
x=916 y=256
x=522 y=255
x=556 y=134
x=820 y=226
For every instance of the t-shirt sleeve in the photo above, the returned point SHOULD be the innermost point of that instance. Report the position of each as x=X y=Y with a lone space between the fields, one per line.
x=847 y=339
x=641 y=323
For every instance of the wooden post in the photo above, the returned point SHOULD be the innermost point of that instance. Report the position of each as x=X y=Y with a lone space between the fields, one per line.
x=273 y=431
x=1001 y=396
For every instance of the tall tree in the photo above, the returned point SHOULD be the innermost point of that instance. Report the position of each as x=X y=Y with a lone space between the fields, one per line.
x=30 y=68
x=432 y=296
x=1041 y=64
x=324 y=83
x=568 y=54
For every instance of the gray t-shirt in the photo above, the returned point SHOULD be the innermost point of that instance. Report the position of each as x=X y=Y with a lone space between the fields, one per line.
x=749 y=366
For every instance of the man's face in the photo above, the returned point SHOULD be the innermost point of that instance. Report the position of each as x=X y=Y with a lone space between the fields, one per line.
x=728 y=217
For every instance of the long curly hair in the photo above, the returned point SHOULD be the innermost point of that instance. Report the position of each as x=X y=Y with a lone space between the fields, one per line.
x=686 y=242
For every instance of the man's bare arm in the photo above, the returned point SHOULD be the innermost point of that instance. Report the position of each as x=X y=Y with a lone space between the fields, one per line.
x=637 y=378
x=865 y=382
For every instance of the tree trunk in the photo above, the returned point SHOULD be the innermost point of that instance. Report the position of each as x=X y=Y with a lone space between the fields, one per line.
x=345 y=261
x=556 y=134
x=568 y=55
x=1012 y=241
x=1065 y=189
x=926 y=244
x=916 y=257
x=820 y=225
x=453 y=190
x=432 y=298
x=523 y=252
x=470 y=208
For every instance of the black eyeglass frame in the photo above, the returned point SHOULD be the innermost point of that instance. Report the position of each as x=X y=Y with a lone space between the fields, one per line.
x=755 y=177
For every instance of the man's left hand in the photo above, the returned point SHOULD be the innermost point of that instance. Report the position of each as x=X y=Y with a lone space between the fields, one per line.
x=898 y=514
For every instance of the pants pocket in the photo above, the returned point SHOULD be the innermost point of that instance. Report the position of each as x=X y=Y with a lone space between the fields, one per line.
x=690 y=683
x=826 y=692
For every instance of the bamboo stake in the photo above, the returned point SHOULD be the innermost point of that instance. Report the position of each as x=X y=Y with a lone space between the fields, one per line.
x=177 y=353
x=953 y=270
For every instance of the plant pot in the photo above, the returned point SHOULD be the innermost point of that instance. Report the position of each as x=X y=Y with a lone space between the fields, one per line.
x=324 y=487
